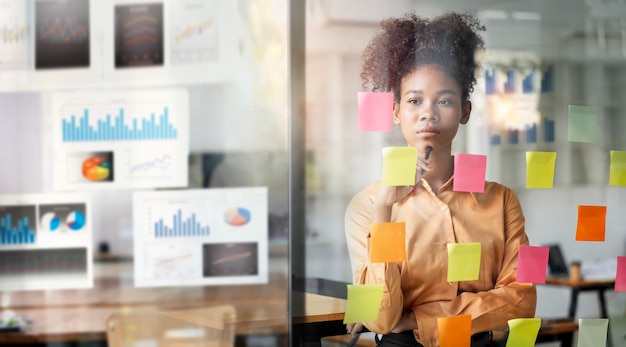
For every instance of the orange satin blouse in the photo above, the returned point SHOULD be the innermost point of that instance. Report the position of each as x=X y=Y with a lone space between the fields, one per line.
x=493 y=218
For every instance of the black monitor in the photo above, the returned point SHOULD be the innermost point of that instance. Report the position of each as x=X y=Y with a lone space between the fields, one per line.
x=557 y=266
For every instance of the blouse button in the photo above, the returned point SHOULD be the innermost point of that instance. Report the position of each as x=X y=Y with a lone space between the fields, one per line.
x=443 y=208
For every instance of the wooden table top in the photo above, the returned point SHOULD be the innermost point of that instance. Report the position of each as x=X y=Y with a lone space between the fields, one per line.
x=580 y=284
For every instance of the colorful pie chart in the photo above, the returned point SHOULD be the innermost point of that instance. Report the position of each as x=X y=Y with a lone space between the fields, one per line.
x=50 y=221
x=96 y=169
x=75 y=221
x=237 y=216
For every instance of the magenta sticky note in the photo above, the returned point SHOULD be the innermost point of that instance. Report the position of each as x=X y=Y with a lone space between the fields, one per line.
x=375 y=111
x=620 y=276
x=469 y=173
x=532 y=263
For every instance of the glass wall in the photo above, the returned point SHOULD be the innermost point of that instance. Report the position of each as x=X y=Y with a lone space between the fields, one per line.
x=541 y=58
x=144 y=150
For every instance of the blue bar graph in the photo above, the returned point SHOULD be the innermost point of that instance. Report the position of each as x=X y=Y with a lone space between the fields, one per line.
x=189 y=227
x=527 y=84
x=490 y=81
x=512 y=136
x=16 y=231
x=79 y=130
x=548 y=130
x=494 y=140
x=546 y=79
x=509 y=84
x=531 y=133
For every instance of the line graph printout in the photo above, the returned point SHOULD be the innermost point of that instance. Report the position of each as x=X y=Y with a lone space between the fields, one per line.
x=112 y=140
x=46 y=241
x=14 y=35
x=194 y=31
x=201 y=237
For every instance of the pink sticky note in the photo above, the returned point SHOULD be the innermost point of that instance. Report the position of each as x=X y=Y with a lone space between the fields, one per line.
x=532 y=262
x=469 y=173
x=620 y=277
x=375 y=111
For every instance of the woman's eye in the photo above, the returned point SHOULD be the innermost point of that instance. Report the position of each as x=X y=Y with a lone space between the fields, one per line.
x=444 y=102
x=415 y=101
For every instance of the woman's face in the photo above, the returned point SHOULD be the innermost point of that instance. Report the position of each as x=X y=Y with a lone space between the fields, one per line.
x=430 y=108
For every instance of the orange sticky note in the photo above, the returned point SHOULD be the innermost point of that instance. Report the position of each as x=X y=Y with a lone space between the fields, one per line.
x=375 y=111
x=591 y=223
x=455 y=331
x=388 y=242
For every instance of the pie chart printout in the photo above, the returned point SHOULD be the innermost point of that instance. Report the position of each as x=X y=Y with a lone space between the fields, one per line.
x=75 y=220
x=237 y=216
x=50 y=221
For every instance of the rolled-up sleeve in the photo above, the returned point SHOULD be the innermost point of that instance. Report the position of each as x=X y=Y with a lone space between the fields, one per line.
x=490 y=309
x=358 y=218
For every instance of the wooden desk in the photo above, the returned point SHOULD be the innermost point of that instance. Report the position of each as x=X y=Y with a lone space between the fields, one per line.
x=600 y=286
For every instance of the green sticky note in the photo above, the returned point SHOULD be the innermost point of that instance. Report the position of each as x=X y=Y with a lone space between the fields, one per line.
x=617 y=173
x=582 y=124
x=399 y=166
x=523 y=332
x=463 y=261
x=540 y=169
x=363 y=302
x=592 y=332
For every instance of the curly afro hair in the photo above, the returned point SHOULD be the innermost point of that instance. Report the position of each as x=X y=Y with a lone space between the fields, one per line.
x=403 y=44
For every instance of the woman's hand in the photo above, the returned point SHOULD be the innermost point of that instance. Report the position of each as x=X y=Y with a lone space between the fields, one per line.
x=407 y=322
x=354 y=328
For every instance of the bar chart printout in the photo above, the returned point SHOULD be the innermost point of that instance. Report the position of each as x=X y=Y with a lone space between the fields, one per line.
x=117 y=129
x=188 y=227
x=17 y=225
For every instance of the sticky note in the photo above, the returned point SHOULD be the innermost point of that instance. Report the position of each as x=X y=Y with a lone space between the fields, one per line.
x=375 y=111
x=399 y=166
x=592 y=332
x=591 y=223
x=617 y=169
x=532 y=263
x=540 y=169
x=463 y=261
x=455 y=331
x=469 y=173
x=620 y=276
x=523 y=332
x=363 y=302
x=388 y=242
x=582 y=124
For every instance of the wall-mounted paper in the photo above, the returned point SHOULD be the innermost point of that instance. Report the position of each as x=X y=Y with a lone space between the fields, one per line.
x=469 y=173
x=532 y=262
x=620 y=275
x=591 y=223
x=199 y=237
x=375 y=111
x=388 y=242
x=540 y=169
x=582 y=124
x=399 y=166
x=617 y=172
x=592 y=332
x=463 y=261
x=523 y=332
x=455 y=331
x=363 y=303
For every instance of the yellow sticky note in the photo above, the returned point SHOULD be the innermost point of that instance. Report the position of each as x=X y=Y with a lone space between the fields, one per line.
x=523 y=332
x=363 y=302
x=399 y=166
x=617 y=171
x=455 y=331
x=540 y=169
x=463 y=261
x=388 y=242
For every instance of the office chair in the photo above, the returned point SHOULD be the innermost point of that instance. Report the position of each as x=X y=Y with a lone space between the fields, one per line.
x=206 y=327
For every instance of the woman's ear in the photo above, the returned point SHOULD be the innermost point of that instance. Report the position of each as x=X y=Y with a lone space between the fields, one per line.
x=467 y=109
x=396 y=110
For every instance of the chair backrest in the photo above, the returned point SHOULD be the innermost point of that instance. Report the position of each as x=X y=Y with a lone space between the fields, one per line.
x=188 y=328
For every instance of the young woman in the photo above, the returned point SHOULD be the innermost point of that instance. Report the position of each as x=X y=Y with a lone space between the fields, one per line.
x=430 y=66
